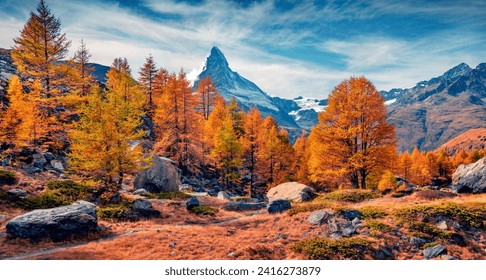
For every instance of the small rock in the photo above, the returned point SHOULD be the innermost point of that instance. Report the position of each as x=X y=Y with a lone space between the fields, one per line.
x=172 y=245
x=348 y=230
x=141 y=205
x=352 y=214
x=418 y=242
x=278 y=206
x=31 y=169
x=336 y=236
x=84 y=202
x=319 y=217
x=16 y=193
x=356 y=221
x=383 y=254
x=281 y=235
x=434 y=251
x=185 y=187
x=332 y=226
x=231 y=254
x=39 y=161
x=193 y=202
x=243 y=206
x=140 y=192
x=458 y=239
x=456 y=225
x=3 y=217
x=57 y=165
x=49 y=156
x=442 y=225
x=224 y=195
x=447 y=257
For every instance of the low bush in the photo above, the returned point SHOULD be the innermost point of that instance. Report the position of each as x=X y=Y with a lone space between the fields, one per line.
x=320 y=248
x=48 y=199
x=379 y=226
x=473 y=215
x=349 y=196
x=70 y=190
x=371 y=212
x=168 y=195
x=203 y=210
x=425 y=230
x=113 y=211
x=7 y=177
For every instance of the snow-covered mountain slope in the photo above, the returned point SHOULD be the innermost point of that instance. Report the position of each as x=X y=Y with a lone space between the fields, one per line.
x=231 y=84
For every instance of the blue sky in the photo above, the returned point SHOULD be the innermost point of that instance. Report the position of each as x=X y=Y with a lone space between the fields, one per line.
x=287 y=47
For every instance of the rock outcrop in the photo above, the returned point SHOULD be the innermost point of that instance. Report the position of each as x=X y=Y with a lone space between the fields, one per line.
x=161 y=176
x=293 y=191
x=278 y=206
x=57 y=223
x=470 y=177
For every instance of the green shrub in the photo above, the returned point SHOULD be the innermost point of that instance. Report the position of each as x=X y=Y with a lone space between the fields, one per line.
x=320 y=248
x=425 y=230
x=168 y=195
x=113 y=211
x=371 y=212
x=350 y=196
x=472 y=215
x=203 y=210
x=70 y=190
x=48 y=199
x=379 y=226
x=7 y=177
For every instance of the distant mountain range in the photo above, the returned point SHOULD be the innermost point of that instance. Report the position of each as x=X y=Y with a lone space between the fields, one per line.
x=426 y=115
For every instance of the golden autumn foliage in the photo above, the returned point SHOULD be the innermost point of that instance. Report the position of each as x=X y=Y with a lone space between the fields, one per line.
x=22 y=124
x=352 y=138
x=40 y=48
x=104 y=143
x=177 y=120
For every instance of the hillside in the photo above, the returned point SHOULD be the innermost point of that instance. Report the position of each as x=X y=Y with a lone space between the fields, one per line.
x=473 y=139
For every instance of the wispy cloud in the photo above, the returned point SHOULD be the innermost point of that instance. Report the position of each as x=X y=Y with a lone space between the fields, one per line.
x=394 y=43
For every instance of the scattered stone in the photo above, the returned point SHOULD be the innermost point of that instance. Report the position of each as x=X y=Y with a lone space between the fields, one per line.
x=224 y=195
x=39 y=161
x=172 y=245
x=456 y=225
x=458 y=239
x=434 y=251
x=418 y=241
x=336 y=235
x=193 y=202
x=57 y=223
x=319 y=217
x=84 y=202
x=161 y=176
x=348 y=229
x=140 y=192
x=141 y=205
x=185 y=187
x=352 y=214
x=231 y=254
x=383 y=254
x=57 y=165
x=356 y=221
x=281 y=236
x=3 y=217
x=442 y=225
x=16 y=193
x=332 y=226
x=31 y=169
x=5 y=162
x=278 y=206
x=447 y=257
x=470 y=177
x=291 y=191
x=243 y=206
x=49 y=156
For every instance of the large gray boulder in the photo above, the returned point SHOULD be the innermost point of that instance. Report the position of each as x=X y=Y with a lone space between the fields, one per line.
x=57 y=223
x=161 y=176
x=434 y=251
x=292 y=191
x=470 y=177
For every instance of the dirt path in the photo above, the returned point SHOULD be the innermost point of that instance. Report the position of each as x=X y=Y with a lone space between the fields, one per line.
x=130 y=232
